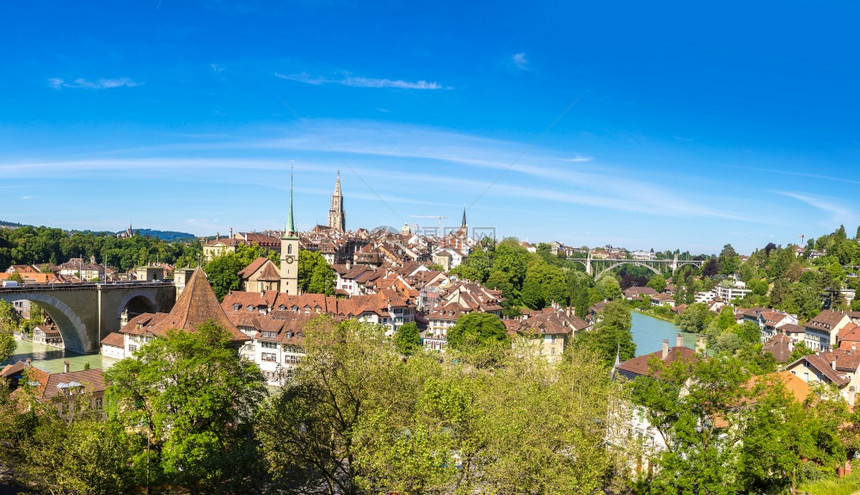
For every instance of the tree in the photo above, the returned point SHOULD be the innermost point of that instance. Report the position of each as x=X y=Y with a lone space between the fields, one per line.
x=728 y=260
x=407 y=339
x=313 y=432
x=8 y=324
x=192 y=399
x=223 y=273
x=658 y=283
x=543 y=285
x=16 y=277
x=610 y=336
x=475 y=333
x=694 y=319
x=315 y=276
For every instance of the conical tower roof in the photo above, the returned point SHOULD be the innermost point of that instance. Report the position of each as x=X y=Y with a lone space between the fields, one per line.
x=196 y=305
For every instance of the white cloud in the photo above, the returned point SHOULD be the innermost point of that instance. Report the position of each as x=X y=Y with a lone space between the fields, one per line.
x=81 y=83
x=578 y=159
x=839 y=214
x=520 y=61
x=25 y=198
x=361 y=82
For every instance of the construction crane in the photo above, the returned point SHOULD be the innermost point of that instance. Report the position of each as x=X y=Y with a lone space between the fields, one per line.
x=439 y=232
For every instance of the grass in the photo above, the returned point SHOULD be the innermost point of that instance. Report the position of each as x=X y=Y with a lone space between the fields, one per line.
x=833 y=486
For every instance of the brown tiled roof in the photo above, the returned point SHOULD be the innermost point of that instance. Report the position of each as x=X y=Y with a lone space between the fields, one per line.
x=196 y=305
x=792 y=328
x=780 y=346
x=142 y=324
x=13 y=369
x=639 y=366
x=270 y=273
x=827 y=319
x=850 y=332
x=56 y=382
x=114 y=339
x=252 y=267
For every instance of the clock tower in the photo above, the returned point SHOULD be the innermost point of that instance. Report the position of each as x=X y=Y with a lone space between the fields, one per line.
x=290 y=252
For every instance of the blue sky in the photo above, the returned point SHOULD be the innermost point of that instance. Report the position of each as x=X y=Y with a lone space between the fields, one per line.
x=632 y=124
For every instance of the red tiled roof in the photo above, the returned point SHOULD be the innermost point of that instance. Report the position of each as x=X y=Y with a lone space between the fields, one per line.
x=252 y=267
x=114 y=339
x=639 y=366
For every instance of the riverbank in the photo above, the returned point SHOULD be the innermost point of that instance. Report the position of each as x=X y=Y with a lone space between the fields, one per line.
x=52 y=359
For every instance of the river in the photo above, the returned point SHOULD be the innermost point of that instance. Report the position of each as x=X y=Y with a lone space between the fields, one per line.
x=649 y=332
x=51 y=358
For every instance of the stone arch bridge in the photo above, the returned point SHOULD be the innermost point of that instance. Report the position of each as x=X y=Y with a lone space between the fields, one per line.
x=596 y=267
x=85 y=313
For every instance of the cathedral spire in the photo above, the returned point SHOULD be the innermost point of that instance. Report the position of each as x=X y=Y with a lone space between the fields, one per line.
x=463 y=223
x=336 y=215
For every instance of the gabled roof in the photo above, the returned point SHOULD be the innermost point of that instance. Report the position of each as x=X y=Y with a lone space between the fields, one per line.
x=639 y=366
x=114 y=339
x=820 y=364
x=196 y=305
x=252 y=267
x=779 y=346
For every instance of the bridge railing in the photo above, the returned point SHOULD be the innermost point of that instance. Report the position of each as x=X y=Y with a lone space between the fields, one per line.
x=88 y=285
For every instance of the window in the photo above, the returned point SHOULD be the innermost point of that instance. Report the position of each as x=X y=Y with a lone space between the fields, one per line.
x=268 y=345
x=806 y=376
x=132 y=348
x=289 y=249
x=98 y=403
x=268 y=356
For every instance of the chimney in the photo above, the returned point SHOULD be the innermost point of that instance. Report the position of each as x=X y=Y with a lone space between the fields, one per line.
x=833 y=363
x=701 y=344
x=231 y=232
x=679 y=340
x=217 y=235
x=66 y=366
x=665 y=348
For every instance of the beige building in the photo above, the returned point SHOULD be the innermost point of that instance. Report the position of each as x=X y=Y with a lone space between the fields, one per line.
x=260 y=276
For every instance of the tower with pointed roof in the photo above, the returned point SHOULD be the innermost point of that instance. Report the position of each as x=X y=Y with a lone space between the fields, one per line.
x=290 y=252
x=336 y=216
x=463 y=223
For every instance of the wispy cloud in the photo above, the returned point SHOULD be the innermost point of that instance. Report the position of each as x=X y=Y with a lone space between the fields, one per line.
x=519 y=61
x=25 y=198
x=577 y=159
x=81 y=83
x=362 y=82
x=838 y=212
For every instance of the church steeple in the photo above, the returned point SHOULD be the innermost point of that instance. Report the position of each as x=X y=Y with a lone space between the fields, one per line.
x=290 y=230
x=463 y=223
x=290 y=251
x=336 y=216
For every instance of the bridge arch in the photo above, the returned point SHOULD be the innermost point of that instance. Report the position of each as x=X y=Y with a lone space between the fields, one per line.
x=137 y=302
x=72 y=328
x=613 y=266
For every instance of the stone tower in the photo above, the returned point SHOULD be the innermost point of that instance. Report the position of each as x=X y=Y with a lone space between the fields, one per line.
x=290 y=252
x=336 y=216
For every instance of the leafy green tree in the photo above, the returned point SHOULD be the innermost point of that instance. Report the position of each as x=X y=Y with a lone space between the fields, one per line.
x=694 y=318
x=800 y=350
x=315 y=276
x=728 y=260
x=313 y=433
x=477 y=333
x=16 y=277
x=610 y=336
x=223 y=273
x=657 y=283
x=192 y=399
x=8 y=324
x=407 y=339
x=543 y=285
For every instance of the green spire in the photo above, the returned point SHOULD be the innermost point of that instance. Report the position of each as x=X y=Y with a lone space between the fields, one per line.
x=290 y=231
